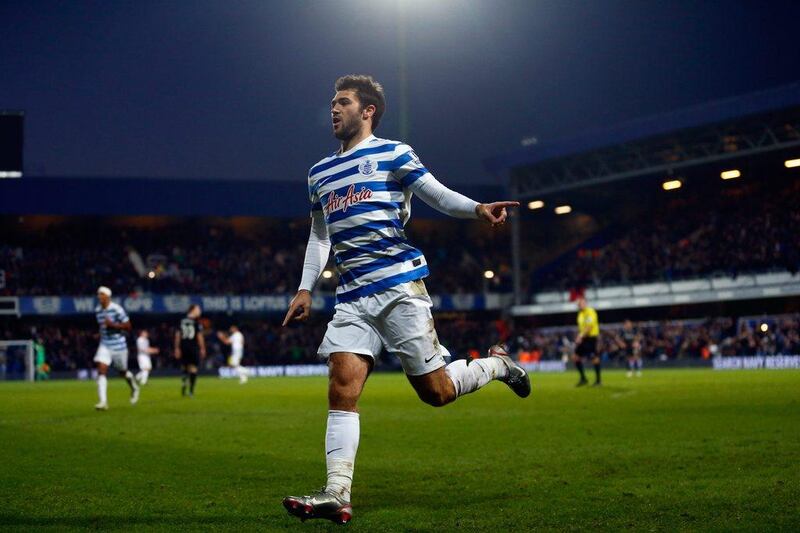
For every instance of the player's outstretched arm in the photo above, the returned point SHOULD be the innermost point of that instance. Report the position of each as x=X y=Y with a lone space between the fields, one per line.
x=317 y=251
x=438 y=196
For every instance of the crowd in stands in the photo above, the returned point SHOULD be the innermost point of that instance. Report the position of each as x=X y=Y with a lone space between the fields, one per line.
x=676 y=339
x=748 y=228
x=751 y=227
x=72 y=346
x=187 y=257
x=203 y=257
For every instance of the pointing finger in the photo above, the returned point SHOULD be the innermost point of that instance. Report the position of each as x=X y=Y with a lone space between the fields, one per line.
x=289 y=314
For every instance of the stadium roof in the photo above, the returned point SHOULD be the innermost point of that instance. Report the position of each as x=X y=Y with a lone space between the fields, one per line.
x=724 y=129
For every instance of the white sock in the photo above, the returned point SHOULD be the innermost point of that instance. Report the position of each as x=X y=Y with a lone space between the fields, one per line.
x=469 y=377
x=141 y=377
x=242 y=371
x=341 y=445
x=102 y=388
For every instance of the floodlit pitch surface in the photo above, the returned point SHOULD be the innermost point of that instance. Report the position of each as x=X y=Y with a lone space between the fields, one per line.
x=686 y=450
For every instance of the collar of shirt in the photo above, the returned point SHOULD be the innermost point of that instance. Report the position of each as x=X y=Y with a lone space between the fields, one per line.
x=356 y=147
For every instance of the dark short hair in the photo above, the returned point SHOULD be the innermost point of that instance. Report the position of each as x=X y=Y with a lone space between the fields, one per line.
x=191 y=308
x=368 y=91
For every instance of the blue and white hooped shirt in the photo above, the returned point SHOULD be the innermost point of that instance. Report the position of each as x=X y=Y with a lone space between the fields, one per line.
x=364 y=196
x=113 y=339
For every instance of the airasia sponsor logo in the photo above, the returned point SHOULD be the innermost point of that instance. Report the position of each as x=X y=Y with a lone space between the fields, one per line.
x=342 y=203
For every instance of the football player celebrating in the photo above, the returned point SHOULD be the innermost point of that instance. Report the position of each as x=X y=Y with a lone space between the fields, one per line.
x=360 y=199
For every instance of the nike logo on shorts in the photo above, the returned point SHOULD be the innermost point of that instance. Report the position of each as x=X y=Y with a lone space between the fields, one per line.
x=431 y=359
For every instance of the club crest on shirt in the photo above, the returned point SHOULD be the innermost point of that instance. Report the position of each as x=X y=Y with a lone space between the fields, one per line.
x=367 y=167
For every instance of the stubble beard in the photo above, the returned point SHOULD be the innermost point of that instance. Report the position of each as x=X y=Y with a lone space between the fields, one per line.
x=347 y=131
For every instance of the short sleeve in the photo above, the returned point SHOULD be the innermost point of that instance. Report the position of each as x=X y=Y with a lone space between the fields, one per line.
x=406 y=168
x=313 y=196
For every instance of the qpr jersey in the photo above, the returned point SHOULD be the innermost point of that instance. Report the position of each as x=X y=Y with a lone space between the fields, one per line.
x=364 y=196
x=113 y=339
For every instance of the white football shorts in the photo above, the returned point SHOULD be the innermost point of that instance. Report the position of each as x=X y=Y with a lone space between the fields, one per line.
x=117 y=358
x=397 y=319
x=145 y=363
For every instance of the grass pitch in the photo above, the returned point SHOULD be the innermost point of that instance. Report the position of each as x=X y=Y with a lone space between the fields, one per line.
x=674 y=450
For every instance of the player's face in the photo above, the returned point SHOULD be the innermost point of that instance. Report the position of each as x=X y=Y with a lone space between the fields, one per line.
x=346 y=115
x=104 y=299
x=581 y=303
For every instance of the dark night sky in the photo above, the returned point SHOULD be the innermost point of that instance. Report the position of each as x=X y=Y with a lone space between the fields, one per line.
x=239 y=90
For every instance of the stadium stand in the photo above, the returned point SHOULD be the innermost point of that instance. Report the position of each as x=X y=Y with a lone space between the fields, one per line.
x=71 y=344
x=745 y=229
x=53 y=256
x=724 y=250
x=678 y=339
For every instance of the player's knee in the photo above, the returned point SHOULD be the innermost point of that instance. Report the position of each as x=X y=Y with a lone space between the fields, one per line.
x=342 y=397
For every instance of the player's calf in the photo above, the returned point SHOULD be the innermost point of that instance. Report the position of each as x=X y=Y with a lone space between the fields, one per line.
x=346 y=378
x=102 y=388
x=435 y=388
x=134 y=386
x=437 y=398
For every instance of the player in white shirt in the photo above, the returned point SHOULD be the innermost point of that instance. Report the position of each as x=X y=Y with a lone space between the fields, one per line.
x=360 y=199
x=113 y=349
x=235 y=340
x=143 y=353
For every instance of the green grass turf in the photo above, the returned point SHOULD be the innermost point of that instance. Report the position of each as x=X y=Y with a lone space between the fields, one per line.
x=674 y=450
